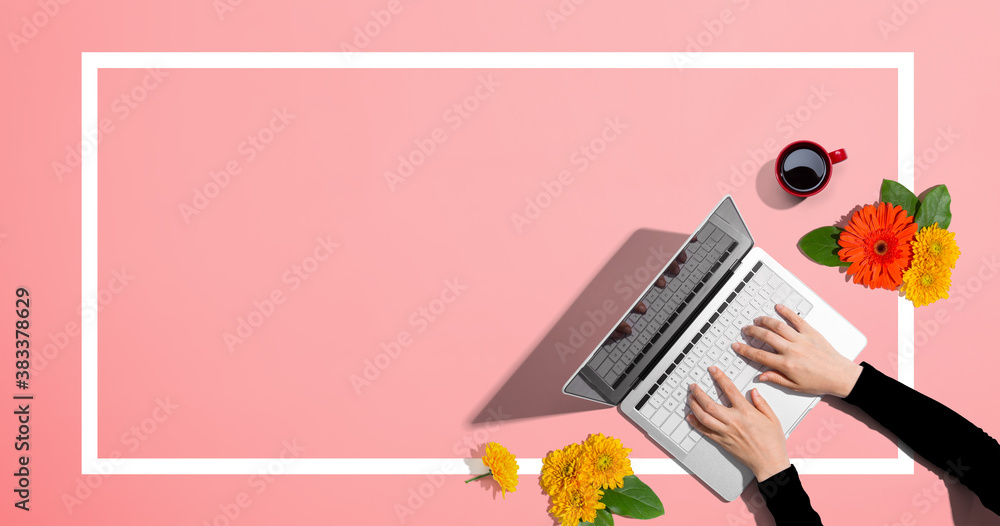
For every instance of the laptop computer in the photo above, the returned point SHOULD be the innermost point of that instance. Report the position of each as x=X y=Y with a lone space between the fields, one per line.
x=717 y=283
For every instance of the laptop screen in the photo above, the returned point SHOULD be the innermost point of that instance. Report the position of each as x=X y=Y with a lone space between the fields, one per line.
x=665 y=308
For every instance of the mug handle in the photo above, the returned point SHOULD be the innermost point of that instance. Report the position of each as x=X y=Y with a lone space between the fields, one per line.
x=838 y=155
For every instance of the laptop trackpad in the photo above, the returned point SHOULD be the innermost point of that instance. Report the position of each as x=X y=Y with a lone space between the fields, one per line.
x=718 y=469
x=789 y=405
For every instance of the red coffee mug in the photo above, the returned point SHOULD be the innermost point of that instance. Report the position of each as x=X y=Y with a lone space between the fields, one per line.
x=803 y=168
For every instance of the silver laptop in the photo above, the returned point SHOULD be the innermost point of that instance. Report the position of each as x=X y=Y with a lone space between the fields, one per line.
x=717 y=283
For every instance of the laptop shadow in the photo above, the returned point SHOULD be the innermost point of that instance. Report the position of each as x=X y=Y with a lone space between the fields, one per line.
x=535 y=388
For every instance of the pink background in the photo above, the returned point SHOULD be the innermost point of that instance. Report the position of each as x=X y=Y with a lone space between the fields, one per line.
x=161 y=337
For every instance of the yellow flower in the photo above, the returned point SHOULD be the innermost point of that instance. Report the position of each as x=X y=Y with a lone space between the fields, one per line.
x=564 y=469
x=935 y=245
x=503 y=467
x=577 y=503
x=608 y=460
x=926 y=283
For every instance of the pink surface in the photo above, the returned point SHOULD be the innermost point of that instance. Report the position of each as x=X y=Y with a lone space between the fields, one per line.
x=161 y=336
x=394 y=247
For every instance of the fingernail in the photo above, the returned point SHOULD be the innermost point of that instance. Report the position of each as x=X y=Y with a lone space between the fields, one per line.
x=779 y=306
x=692 y=386
x=735 y=346
x=713 y=369
x=757 y=319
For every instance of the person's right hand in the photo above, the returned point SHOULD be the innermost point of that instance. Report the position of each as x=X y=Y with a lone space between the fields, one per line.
x=804 y=361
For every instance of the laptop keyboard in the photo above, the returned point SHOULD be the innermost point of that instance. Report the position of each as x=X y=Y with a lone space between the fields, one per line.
x=665 y=402
x=615 y=359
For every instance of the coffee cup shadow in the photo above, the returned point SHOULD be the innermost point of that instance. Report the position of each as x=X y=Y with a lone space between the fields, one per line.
x=770 y=192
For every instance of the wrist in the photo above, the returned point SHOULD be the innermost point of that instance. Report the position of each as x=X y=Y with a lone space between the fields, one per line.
x=850 y=378
x=765 y=472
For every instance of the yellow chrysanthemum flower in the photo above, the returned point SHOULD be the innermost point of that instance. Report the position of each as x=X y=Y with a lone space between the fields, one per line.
x=926 y=283
x=935 y=245
x=577 y=503
x=608 y=460
x=564 y=469
x=503 y=467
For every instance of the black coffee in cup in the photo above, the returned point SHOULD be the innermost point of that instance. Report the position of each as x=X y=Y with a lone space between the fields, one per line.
x=803 y=169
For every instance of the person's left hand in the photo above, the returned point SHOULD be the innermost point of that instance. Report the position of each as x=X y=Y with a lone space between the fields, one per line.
x=750 y=432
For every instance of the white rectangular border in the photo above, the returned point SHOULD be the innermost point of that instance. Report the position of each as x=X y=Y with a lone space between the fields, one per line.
x=91 y=62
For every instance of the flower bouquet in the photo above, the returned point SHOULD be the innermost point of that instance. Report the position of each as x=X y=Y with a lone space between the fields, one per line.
x=900 y=243
x=586 y=482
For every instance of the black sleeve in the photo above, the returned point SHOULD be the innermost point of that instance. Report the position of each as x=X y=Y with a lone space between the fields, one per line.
x=933 y=431
x=787 y=501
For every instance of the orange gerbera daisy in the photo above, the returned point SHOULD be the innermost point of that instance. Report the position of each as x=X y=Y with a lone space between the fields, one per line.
x=876 y=243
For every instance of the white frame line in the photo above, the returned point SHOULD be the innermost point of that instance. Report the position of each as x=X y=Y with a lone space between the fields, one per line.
x=92 y=61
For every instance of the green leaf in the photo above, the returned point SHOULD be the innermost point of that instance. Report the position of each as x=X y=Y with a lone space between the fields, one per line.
x=821 y=246
x=897 y=194
x=634 y=500
x=936 y=208
x=604 y=518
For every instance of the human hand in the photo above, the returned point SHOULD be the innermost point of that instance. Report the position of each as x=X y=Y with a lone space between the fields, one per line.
x=751 y=432
x=804 y=361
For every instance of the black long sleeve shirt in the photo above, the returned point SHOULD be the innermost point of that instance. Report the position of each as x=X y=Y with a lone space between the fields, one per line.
x=951 y=443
